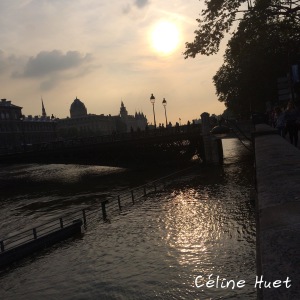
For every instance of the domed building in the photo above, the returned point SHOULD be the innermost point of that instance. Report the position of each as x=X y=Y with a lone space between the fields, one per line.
x=82 y=124
x=77 y=109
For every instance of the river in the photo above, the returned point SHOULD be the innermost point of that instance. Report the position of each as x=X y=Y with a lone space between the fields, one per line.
x=202 y=224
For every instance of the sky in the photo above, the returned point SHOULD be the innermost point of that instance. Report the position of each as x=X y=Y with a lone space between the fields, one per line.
x=102 y=52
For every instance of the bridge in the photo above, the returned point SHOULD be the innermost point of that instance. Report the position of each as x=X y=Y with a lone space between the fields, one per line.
x=161 y=144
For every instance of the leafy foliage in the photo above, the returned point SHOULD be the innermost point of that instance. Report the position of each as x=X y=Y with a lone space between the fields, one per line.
x=264 y=45
x=219 y=15
x=257 y=54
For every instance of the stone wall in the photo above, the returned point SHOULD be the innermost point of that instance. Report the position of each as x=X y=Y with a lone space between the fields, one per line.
x=278 y=215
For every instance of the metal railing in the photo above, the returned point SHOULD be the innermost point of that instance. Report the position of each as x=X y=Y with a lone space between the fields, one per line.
x=20 y=238
x=102 y=139
x=116 y=205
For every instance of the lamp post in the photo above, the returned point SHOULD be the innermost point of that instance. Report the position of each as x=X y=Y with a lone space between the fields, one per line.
x=164 y=103
x=152 y=100
x=23 y=143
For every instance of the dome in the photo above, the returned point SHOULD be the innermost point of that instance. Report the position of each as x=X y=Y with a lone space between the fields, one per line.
x=77 y=109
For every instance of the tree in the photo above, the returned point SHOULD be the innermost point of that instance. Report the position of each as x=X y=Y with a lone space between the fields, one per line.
x=219 y=16
x=258 y=53
x=264 y=45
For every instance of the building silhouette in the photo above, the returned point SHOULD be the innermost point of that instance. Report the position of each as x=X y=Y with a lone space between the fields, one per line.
x=78 y=109
x=82 y=124
x=43 y=110
x=18 y=132
x=136 y=122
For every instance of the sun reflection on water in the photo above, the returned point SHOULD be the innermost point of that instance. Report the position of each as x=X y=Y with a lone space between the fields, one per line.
x=206 y=227
x=186 y=232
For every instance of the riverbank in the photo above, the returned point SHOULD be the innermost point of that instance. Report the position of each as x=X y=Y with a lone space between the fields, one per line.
x=278 y=214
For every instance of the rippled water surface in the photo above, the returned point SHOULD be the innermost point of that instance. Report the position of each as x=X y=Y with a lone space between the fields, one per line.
x=202 y=224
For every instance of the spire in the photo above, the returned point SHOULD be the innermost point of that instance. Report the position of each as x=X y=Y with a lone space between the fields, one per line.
x=43 y=109
x=123 y=111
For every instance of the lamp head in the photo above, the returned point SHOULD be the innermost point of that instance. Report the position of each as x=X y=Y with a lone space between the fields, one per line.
x=164 y=102
x=152 y=99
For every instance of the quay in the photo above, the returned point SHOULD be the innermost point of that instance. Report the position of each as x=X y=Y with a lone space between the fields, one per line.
x=277 y=167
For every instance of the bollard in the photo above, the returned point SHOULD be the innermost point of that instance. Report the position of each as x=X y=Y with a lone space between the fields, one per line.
x=61 y=223
x=154 y=187
x=34 y=233
x=84 y=217
x=104 y=215
x=132 y=197
x=145 y=191
x=119 y=203
x=2 y=246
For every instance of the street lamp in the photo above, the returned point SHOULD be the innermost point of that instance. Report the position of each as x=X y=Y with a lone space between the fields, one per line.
x=152 y=100
x=22 y=124
x=164 y=103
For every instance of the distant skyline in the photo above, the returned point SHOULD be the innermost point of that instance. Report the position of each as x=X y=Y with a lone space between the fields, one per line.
x=105 y=52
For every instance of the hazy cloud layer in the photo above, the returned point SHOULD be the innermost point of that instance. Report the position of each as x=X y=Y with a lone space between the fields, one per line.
x=118 y=34
x=46 y=63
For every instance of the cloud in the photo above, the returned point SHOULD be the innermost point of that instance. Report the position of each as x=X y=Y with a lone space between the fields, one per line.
x=46 y=63
x=49 y=68
x=49 y=84
x=3 y=63
x=8 y=62
x=141 y=3
x=56 y=79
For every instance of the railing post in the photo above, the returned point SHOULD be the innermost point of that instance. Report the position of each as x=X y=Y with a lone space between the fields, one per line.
x=132 y=196
x=61 y=223
x=34 y=233
x=2 y=246
x=84 y=217
x=119 y=203
x=104 y=215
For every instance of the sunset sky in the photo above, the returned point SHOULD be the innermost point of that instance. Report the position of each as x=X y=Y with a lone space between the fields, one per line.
x=105 y=52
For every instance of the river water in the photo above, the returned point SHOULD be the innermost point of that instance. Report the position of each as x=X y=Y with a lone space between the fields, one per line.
x=202 y=224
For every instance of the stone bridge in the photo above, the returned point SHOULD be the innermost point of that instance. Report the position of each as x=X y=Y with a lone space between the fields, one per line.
x=179 y=143
x=157 y=145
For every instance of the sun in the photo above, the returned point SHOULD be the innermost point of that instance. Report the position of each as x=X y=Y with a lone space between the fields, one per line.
x=165 y=37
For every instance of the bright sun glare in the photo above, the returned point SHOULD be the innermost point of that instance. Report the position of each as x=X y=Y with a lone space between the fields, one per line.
x=165 y=37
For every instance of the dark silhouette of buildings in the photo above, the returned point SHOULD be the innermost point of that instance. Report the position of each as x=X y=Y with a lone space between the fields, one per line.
x=18 y=132
x=82 y=124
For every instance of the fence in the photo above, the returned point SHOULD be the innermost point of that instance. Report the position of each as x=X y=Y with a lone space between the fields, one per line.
x=25 y=242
